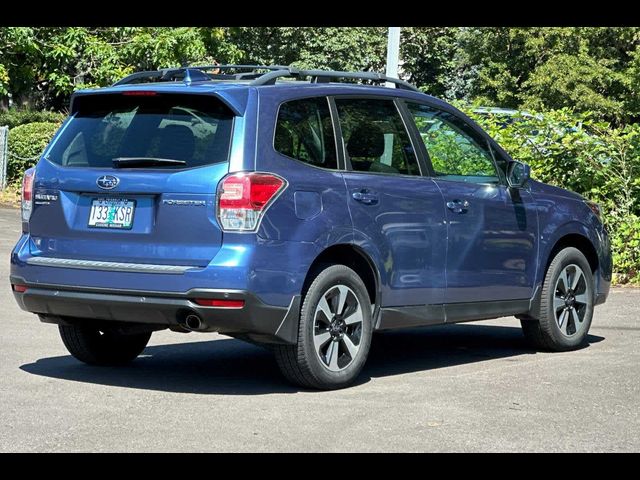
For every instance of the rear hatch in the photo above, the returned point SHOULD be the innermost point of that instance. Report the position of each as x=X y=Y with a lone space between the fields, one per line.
x=131 y=177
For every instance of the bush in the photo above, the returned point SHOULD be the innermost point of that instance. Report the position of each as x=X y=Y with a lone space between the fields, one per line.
x=26 y=143
x=626 y=250
x=575 y=152
x=15 y=117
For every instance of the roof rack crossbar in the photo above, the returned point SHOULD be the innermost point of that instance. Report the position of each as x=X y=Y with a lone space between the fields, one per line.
x=138 y=75
x=161 y=75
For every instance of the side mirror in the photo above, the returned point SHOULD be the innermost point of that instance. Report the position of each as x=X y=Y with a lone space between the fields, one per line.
x=518 y=174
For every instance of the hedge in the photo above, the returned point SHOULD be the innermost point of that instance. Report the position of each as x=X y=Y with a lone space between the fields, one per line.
x=592 y=158
x=15 y=117
x=25 y=144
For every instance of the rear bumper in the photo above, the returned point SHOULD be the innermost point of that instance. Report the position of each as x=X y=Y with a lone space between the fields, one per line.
x=272 y=271
x=256 y=320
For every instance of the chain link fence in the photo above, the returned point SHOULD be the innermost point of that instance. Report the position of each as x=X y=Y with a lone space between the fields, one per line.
x=4 y=156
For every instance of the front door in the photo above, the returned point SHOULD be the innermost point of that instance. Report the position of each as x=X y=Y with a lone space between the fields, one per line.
x=492 y=229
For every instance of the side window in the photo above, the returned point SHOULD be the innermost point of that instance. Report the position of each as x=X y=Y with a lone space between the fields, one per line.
x=304 y=131
x=375 y=137
x=454 y=149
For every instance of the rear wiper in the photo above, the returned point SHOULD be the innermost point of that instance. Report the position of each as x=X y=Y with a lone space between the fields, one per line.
x=132 y=162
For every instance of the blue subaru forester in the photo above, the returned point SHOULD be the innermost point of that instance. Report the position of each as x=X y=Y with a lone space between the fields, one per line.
x=293 y=209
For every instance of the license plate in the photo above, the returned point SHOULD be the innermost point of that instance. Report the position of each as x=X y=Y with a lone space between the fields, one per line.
x=112 y=213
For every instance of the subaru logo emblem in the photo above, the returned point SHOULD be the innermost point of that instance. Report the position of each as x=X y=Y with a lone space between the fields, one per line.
x=108 y=182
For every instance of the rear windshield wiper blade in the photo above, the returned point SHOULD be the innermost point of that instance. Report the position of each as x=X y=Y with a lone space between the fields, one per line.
x=132 y=162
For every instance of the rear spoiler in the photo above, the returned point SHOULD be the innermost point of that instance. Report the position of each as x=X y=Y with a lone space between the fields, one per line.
x=235 y=100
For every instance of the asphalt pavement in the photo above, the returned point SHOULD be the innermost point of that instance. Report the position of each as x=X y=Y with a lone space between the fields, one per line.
x=469 y=387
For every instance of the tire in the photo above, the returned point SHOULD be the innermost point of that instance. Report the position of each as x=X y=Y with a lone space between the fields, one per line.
x=102 y=347
x=564 y=315
x=330 y=354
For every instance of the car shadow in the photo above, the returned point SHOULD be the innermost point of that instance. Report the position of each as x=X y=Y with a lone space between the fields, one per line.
x=404 y=351
x=233 y=367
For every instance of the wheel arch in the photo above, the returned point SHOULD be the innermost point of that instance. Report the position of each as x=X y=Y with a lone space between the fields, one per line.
x=569 y=237
x=353 y=257
x=578 y=241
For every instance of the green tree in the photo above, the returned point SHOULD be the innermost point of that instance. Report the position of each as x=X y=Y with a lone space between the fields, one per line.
x=18 y=49
x=41 y=67
x=429 y=59
x=585 y=68
x=335 y=48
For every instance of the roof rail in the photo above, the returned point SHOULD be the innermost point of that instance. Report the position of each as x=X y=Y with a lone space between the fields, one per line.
x=238 y=67
x=197 y=73
x=190 y=74
x=325 y=76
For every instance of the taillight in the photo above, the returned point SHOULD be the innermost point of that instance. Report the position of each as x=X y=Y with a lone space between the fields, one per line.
x=244 y=197
x=27 y=194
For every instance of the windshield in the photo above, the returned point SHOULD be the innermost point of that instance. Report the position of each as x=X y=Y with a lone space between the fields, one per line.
x=194 y=130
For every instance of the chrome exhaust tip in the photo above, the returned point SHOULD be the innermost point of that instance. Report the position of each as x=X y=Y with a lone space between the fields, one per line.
x=193 y=322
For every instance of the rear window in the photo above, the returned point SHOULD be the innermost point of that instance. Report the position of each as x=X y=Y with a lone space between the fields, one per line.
x=194 y=129
x=304 y=132
x=375 y=137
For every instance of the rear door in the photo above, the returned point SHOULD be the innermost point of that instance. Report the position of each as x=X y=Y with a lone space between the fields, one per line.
x=131 y=177
x=397 y=213
x=492 y=246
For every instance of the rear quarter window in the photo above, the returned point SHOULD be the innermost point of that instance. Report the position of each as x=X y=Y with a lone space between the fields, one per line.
x=195 y=129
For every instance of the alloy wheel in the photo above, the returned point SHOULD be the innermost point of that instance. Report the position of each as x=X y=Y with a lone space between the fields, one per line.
x=337 y=327
x=570 y=301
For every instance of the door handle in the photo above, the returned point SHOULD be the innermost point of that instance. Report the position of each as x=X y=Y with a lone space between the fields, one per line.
x=458 y=206
x=365 y=196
